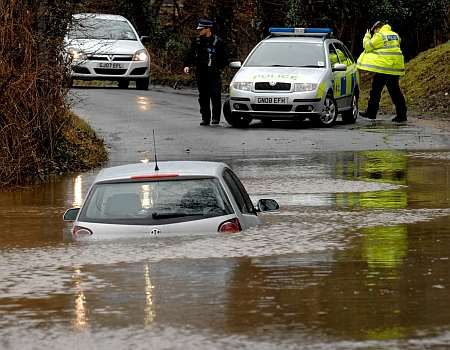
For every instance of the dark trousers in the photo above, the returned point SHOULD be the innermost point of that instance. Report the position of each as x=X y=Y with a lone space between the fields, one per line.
x=209 y=93
x=391 y=82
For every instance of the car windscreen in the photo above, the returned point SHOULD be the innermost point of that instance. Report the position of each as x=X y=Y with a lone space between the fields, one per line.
x=155 y=202
x=101 y=29
x=287 y=54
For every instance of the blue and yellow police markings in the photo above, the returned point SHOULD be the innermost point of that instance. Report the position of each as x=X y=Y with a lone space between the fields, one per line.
x=345 y=84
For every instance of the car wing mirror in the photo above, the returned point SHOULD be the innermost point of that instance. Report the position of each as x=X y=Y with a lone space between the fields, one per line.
x=267 y=205
x=339 y=67
x=71 y=214
x=235 y=64
x=145 y=39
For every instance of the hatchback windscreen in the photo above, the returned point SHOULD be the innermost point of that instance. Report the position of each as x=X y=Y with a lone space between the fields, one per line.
x=101 y=29
x=155 y=202
x=287 y=54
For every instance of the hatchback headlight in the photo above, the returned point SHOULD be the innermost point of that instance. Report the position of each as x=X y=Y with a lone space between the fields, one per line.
x=76 y=55
x=245 y=86
x=140 y=55
x=302 y=87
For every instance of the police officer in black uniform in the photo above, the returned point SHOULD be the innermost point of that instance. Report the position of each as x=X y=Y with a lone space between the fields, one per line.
x=209 y=56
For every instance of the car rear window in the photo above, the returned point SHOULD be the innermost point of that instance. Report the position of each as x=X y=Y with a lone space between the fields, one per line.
x=101 y=29
x=155 y=202
x=289 y=54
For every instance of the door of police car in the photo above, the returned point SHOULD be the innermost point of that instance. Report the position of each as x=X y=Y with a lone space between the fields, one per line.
x=344 y=82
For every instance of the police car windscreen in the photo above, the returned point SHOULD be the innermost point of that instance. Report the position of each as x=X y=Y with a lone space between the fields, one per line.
x=287 y=54
x=101 y=29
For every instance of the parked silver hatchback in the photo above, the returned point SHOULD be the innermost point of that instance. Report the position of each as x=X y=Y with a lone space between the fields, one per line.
x=136 y=200
x=295 y=74
x=107 y=47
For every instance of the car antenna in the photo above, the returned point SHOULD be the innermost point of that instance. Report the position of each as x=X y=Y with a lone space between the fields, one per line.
x=154 y=149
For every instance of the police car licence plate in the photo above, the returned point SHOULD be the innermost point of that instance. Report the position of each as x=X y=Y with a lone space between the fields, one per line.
x=272 y=100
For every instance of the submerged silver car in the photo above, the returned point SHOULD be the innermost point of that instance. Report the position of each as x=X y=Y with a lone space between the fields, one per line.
x=295 y=73
x=107 y=47
x=136 y=200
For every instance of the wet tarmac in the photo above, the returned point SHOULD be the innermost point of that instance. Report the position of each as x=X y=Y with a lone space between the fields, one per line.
x=357 y=258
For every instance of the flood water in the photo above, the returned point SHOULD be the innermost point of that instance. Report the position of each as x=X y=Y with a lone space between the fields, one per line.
x=357 y=258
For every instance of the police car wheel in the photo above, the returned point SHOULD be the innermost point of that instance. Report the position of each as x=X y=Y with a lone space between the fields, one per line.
x=329 y=113
x=235 y=119
x=238 y=120
x=350 y=116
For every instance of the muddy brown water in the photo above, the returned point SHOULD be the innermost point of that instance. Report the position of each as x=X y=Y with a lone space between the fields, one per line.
x=357 y=258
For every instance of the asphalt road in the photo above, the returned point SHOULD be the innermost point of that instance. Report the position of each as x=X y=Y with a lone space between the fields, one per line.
x=126 y=119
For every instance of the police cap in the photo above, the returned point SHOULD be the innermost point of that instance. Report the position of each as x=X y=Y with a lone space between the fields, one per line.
x=204 y=23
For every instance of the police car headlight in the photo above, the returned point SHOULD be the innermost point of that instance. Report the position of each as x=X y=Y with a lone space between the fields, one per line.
x=245 y=86
x=302 y=87
x=76 y=55
x=140 y=55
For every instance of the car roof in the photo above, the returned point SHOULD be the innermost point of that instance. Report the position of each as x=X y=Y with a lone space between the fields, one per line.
x=181 y=168
x=100 y=16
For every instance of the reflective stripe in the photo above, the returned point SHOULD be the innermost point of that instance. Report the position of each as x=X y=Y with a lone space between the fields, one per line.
x=353 y=81
x=343 y=86
x=321 y=90
x=388 y=53
x=371 y=45
x=349 y=78
x=381 y=68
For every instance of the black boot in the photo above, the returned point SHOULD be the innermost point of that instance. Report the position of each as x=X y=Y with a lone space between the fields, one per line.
x=367 y=115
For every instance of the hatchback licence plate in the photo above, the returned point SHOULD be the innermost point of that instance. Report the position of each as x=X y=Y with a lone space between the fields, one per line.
x=110 y=65
x=272 y=100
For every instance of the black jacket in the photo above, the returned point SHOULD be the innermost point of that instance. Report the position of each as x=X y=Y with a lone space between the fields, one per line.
x=207 y=55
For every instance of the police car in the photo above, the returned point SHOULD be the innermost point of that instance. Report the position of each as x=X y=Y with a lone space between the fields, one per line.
x=296 y=74
x=139 y=200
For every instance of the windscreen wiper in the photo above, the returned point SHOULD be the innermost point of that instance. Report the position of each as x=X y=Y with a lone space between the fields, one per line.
x=311 y=66
x=157 y=216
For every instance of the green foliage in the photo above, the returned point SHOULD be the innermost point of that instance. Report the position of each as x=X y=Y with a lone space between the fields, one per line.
x=78 y=148
x=295 y=14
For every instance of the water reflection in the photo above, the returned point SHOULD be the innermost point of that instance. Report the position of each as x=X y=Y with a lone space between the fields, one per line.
x=80 y=321
x=149 y=313
x=358 y=256
x=78 y=194
x=143 y=102
x=384 y=248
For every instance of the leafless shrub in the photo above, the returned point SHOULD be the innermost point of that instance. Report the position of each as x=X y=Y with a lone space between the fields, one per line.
x=33 y=87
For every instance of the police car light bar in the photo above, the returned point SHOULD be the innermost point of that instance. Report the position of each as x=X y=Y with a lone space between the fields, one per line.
x=301 y=31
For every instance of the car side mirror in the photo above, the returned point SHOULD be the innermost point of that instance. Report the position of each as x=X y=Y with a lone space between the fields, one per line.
x=339 y=67
x=145 y=39
x=71 y=214
x=235 y=64
x=267 y=205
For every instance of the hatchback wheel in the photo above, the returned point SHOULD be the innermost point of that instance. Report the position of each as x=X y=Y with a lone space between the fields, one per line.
x=235 y=119
x=329 y=113
x=349 y=117
x=123 y=84
x=142 y=84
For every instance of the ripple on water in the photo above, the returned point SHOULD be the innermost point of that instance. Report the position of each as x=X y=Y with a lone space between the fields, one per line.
x=39 y=272
x=186 y=339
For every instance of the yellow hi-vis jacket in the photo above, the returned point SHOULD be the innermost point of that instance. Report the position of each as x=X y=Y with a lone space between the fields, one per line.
x=382 y=53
